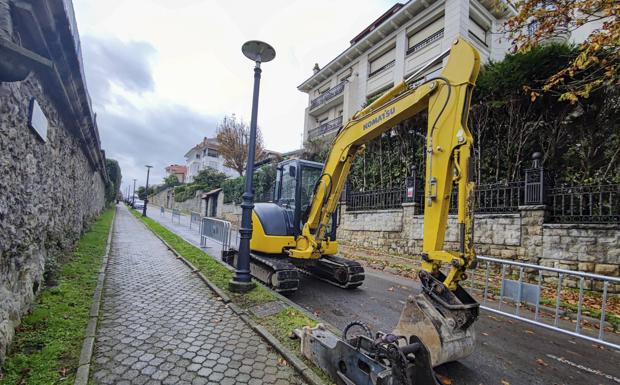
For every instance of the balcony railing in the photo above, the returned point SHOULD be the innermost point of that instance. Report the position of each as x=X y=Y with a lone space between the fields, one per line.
x=326 y=127
x=426 y=42
x=327 y=95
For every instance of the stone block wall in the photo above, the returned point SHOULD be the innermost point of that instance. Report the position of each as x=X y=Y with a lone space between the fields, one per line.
x=522 y=236
x=49 y=193
x=165 y=198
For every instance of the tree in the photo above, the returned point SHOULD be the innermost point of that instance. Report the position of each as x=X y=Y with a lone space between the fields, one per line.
x=112 y=189
x=233 y=136
x=171 y=181
x=142 y=193
x=597 y=63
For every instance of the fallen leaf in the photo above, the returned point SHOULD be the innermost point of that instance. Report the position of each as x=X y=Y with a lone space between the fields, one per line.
x=391 y=289
x=444 y=380
x=504 y=382
x=485 y=334
x=282 y=362
x=529 y=332
x=539 y=361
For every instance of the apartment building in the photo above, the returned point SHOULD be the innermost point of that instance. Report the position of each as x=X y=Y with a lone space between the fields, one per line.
x=178 y=171
x=206 y=154
x=396 y=45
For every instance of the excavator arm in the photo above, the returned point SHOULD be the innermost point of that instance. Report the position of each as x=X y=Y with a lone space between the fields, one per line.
x=448 y=152
x=435 y=326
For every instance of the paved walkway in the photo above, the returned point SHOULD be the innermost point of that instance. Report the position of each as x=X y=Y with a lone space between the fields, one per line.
x=162 y=325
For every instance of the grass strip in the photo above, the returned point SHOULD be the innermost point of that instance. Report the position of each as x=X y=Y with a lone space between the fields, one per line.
x=281 y=325
x=47 y=344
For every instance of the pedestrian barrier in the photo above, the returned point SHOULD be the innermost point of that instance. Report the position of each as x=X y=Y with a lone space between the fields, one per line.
x=176 y=213
x=195 y=219
x=539 y=295
x=215 y=229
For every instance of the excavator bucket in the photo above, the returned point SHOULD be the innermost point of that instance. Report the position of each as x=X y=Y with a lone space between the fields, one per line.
x=441 y=319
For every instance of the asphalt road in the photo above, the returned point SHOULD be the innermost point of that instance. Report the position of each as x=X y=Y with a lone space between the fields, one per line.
x=508 y=352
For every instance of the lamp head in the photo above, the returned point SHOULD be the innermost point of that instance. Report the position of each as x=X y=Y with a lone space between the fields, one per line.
x=258 y=51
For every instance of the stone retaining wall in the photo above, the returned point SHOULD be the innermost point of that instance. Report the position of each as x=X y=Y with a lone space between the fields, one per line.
x=522 y=236
x=49 y=193
x=165 y=198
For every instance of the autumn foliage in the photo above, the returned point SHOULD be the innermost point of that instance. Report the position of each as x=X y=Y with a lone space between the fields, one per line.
x=597 y=63
x=233 y=136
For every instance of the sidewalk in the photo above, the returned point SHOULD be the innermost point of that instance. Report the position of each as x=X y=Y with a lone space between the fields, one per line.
x=160 y=324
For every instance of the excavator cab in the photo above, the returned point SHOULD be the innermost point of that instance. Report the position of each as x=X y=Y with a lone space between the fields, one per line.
x=296 y=181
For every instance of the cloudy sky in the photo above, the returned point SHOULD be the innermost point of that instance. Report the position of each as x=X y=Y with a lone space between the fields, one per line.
x=162 y=73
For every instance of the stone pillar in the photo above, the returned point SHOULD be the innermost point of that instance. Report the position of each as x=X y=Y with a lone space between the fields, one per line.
x=362 y=80
x=456 y=22
x=532 y=220
x=399 y=60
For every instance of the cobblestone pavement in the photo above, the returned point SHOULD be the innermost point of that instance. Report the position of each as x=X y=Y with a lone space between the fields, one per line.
x=162 y=325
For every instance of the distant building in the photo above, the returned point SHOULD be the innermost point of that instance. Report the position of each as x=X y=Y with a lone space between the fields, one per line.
x=206 y=154
x=177 y=170
x=393 y=47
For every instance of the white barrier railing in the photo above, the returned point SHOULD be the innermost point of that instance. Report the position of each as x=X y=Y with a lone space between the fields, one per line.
x=532 y=293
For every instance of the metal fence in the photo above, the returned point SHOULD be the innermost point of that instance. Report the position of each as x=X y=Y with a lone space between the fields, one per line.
x=217 y=230
x=593 y=204
x=538 y=295
x=194 y=219
x=176 y=213
x=375 y=200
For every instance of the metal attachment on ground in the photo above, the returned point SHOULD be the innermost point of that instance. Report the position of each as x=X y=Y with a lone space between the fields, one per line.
x=387 y=359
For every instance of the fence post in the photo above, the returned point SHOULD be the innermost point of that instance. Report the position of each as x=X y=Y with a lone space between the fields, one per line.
x=535 y=182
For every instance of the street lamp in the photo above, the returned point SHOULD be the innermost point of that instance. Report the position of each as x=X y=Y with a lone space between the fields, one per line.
x=258 y=52
x=133 y=196
x=146 y=190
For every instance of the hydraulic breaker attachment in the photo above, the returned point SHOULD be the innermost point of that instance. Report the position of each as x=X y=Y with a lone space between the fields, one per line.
x=364 y=360
x=442 y=319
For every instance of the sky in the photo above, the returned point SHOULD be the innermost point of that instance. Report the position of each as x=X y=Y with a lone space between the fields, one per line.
x=162 y=73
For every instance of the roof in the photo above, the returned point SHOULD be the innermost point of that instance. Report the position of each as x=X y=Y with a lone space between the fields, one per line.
x=176 y=169
x=390 y=21
x=205 y=143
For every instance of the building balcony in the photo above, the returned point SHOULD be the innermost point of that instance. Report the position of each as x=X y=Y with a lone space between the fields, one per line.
x=327 y=99
x=325 y=128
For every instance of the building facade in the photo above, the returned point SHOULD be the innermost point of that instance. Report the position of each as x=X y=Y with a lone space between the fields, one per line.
x=206 y=154
x=178 y=171
x=392 y=48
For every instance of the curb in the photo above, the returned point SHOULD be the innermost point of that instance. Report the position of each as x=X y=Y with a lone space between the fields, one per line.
x=86 y=354
x=295 y=362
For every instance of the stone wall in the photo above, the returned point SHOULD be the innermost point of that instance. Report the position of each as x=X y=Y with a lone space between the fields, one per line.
x=522 y=236
x=52 y=184
x=165 y=198
x=49 y=193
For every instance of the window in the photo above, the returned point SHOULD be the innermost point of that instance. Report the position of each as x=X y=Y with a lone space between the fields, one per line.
x=197 y=156
x=322 y=89
x=478 y=31
x=345 y=75
x=425 y=36
x=213 y=153
x=382 y=62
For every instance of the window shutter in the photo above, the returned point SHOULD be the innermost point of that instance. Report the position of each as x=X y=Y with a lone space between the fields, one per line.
x=382 y=60
x=426 y=32
x=478 y=31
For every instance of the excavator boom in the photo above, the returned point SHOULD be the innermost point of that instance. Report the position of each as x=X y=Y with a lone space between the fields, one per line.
x=436 y=325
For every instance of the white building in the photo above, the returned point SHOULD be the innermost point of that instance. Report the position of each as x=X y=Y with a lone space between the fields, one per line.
x=206 y=154
x=393 y=47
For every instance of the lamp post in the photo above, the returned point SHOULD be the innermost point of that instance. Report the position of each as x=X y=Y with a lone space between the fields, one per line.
x=259 y=52
x=146 y=190
x=133 y=196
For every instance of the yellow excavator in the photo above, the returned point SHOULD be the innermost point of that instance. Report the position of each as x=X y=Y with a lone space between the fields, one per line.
x=296 y=232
